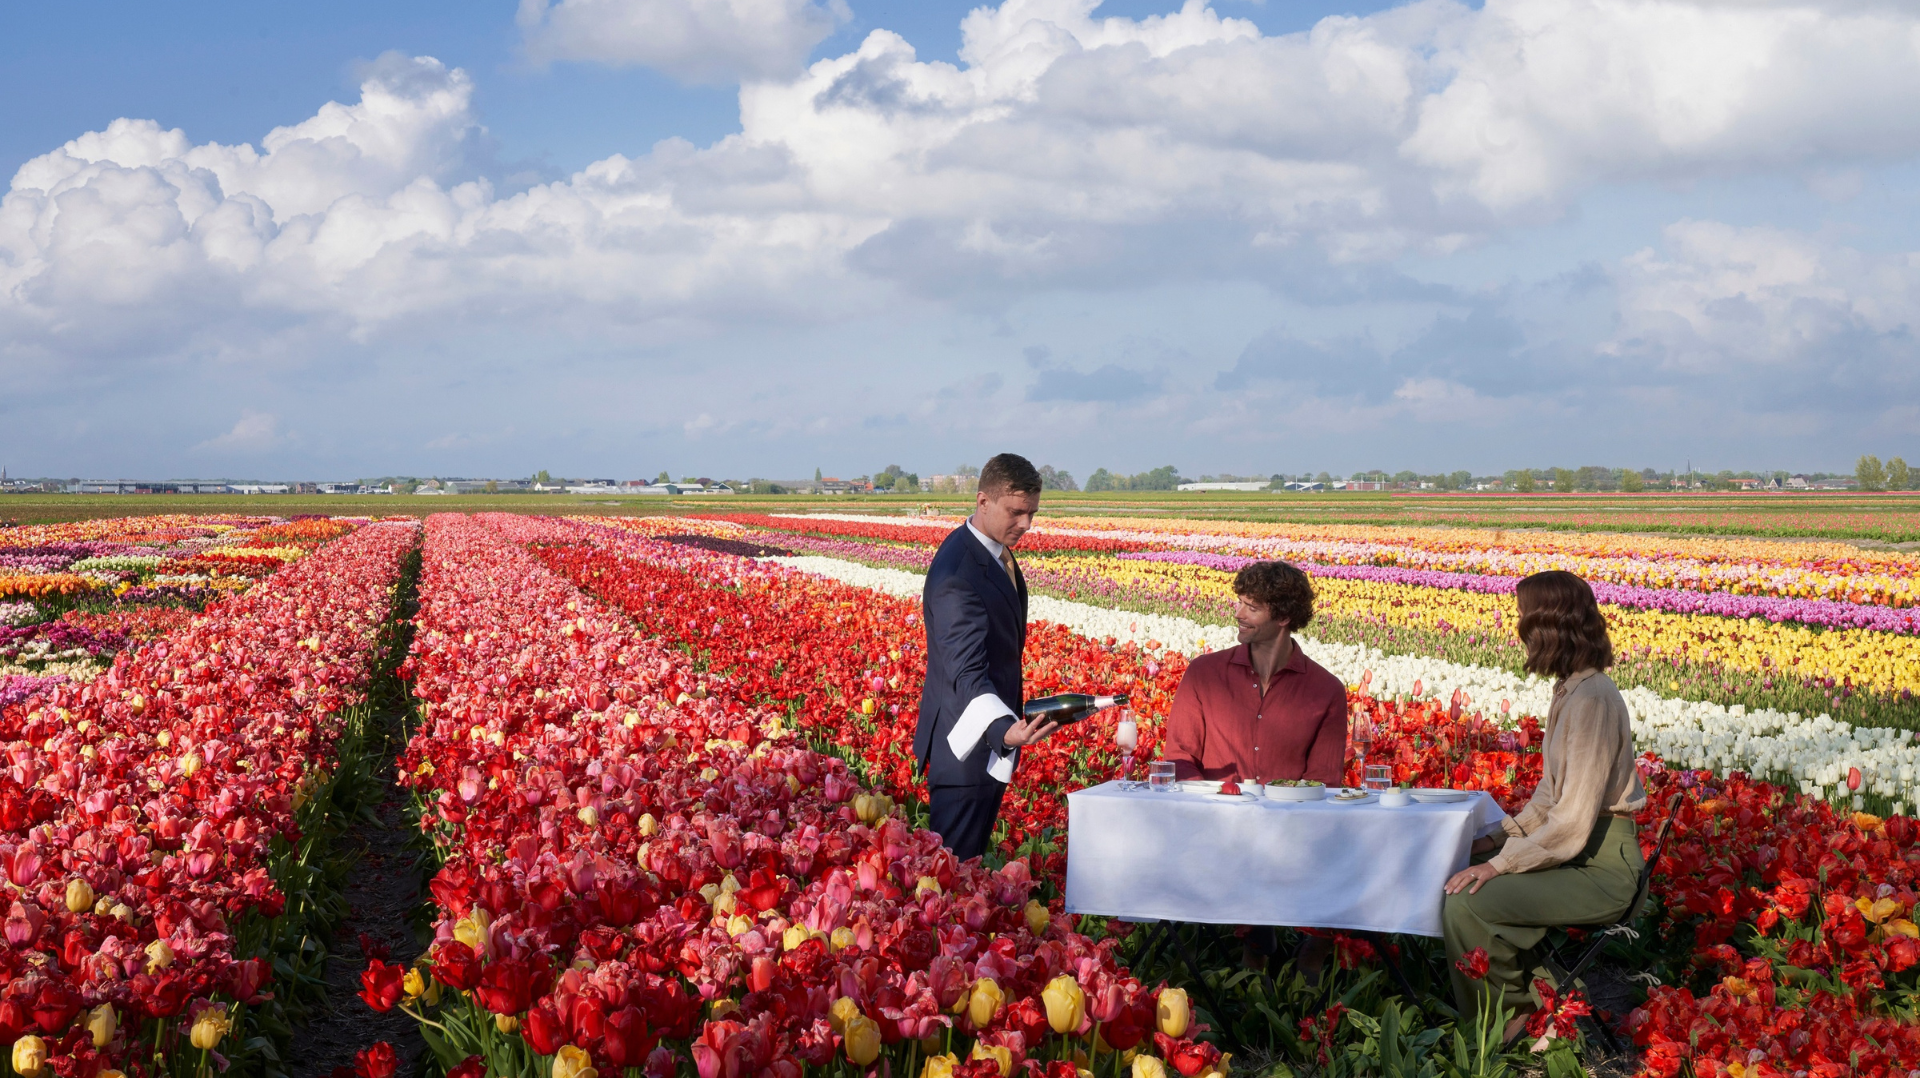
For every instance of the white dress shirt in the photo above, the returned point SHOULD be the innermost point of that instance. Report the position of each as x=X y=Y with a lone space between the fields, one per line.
x=985 y=709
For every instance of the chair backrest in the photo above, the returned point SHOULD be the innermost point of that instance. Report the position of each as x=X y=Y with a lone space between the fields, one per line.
x=1646 y=870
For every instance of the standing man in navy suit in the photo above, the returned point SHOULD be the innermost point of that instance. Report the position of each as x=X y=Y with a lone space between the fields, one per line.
x=971 y=727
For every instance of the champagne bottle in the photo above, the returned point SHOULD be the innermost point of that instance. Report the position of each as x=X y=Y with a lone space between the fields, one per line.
x=1070 y=707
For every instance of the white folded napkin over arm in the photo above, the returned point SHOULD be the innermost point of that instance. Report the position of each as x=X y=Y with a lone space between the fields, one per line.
x=971 y=728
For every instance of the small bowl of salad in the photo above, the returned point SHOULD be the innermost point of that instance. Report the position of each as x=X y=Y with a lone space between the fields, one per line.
x=1296 y=790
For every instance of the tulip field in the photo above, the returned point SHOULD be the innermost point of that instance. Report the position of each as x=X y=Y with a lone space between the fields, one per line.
x=670 y=824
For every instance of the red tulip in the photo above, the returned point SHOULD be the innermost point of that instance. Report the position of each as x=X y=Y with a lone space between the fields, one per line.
x=378 y=1061
x=506 y=986
x=628 y=1041
x=543 y=1029
x=455 y=965
x=380 y=985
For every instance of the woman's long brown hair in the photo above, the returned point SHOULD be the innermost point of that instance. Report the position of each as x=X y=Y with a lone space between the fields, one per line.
x=1561 y=625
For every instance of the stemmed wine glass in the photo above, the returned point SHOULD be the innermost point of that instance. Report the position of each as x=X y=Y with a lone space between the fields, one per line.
x=1126 y=737
x=1362 y=740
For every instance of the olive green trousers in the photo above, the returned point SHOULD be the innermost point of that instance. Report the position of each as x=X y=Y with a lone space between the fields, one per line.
x=1510 y=915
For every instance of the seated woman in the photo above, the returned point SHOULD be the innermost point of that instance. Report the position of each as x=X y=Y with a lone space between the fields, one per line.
x=1571 y=857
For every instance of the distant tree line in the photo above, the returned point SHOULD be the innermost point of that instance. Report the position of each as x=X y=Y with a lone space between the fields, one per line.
x=1166 y=477
x=1870 y=474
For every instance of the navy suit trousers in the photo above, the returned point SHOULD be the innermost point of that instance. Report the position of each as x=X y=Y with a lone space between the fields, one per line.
x=963 y=816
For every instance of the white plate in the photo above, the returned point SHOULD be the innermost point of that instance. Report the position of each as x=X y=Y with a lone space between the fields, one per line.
x=1234 y=799
x=1367 y=798
x=1440 y=797
x=1199 y=786
x=1295 y=793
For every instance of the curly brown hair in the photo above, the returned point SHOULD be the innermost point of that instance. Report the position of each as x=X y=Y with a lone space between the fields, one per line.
x=1561 y=625
x=1285 y=590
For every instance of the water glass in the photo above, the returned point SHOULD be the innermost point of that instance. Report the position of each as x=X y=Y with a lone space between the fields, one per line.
x=1379 y=777
x=1160 y=776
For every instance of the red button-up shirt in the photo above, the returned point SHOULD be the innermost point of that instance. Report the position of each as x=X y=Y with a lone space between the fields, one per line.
x=1222 y=724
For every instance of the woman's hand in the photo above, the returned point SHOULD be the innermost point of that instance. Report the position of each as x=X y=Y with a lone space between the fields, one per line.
x=1483 y=844
x=1470 y=878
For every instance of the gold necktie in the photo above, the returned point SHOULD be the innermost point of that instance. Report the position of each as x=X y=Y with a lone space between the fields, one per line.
x=1006 y=562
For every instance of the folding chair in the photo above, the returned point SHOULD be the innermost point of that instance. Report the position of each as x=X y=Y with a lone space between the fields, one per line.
x=1600 y=937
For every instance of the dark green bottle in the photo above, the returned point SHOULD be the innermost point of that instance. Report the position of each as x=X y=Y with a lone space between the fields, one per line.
x=1070 y=707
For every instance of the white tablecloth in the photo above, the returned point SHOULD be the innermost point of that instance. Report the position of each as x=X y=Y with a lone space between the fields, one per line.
x=1148 y=856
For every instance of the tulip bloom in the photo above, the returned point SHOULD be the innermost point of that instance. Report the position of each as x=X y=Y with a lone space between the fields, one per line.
x=455 y=964
x=29 y=1056
x=985 y=1002
x=209 y=1027
x=377 y=1061
x=381 y=985
x=862 y=1040
x=572 y=1062
x=1172 y=1013
x=1066 y=1004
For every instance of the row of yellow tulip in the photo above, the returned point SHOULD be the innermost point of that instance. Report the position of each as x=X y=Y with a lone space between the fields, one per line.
x=1821 y=570
x=1881 y=662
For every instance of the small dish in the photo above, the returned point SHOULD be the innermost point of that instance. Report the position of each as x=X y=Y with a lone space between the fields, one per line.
x=1440 y=797
x=1295 y=793
x=1233 y=799
x=1354 y=797
x=1394 y=798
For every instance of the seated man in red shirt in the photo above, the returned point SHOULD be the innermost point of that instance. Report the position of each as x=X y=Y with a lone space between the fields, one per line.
x=1263 y=711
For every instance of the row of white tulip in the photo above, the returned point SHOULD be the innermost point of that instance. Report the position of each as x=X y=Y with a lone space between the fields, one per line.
x=1816 y=754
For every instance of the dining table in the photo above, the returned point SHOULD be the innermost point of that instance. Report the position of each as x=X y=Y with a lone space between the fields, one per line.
x=1174 y=855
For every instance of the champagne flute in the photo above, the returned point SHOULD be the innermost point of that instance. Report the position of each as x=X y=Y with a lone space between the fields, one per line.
x=1126 y=737
x=1362 y=741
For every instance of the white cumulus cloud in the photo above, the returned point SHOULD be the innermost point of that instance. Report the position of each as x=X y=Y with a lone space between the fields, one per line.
x=716 y=41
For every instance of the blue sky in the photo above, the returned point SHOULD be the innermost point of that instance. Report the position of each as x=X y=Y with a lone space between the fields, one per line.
x=613 y=236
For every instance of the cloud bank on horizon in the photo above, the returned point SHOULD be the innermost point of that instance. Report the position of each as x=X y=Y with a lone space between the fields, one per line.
x=1096 y=238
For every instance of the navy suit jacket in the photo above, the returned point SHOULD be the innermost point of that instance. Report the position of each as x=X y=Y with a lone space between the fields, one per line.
x=976 y=629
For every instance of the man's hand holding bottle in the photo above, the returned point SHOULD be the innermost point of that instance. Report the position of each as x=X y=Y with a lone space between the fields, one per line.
x=1047 y=714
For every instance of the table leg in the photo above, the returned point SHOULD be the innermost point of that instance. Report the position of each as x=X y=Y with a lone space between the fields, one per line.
x=1155 y=934
x=1379 y=941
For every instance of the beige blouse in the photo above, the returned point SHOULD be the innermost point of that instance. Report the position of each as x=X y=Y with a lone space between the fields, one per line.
x=1587 y=774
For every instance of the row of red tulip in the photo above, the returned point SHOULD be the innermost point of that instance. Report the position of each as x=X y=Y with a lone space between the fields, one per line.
x=644 y=869
x=145 y=817
x=1822 y=902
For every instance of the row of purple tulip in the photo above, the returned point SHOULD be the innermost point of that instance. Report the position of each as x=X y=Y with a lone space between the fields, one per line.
x=1824 y=613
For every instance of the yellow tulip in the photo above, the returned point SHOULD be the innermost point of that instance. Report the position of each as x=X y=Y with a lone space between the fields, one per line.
x=1877 y=910
x=572 y=1062
x=1037 y=917
x=159 y=955
x=841 y=939
x=1148 y=1067
x=840 y=1012
x=506 y=1023
x=985 y=1002
x=926 y=885
x=29 y=1056
x=940 y=1066
x=472 y=930
x=80 y=897
x=1001 y=1056
x=1900 y=926
x=413 y=984
x=1066 y=1003
x=102 y=1023
x=210 y=1027
x=862 y=1040
x=1172 y=1013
